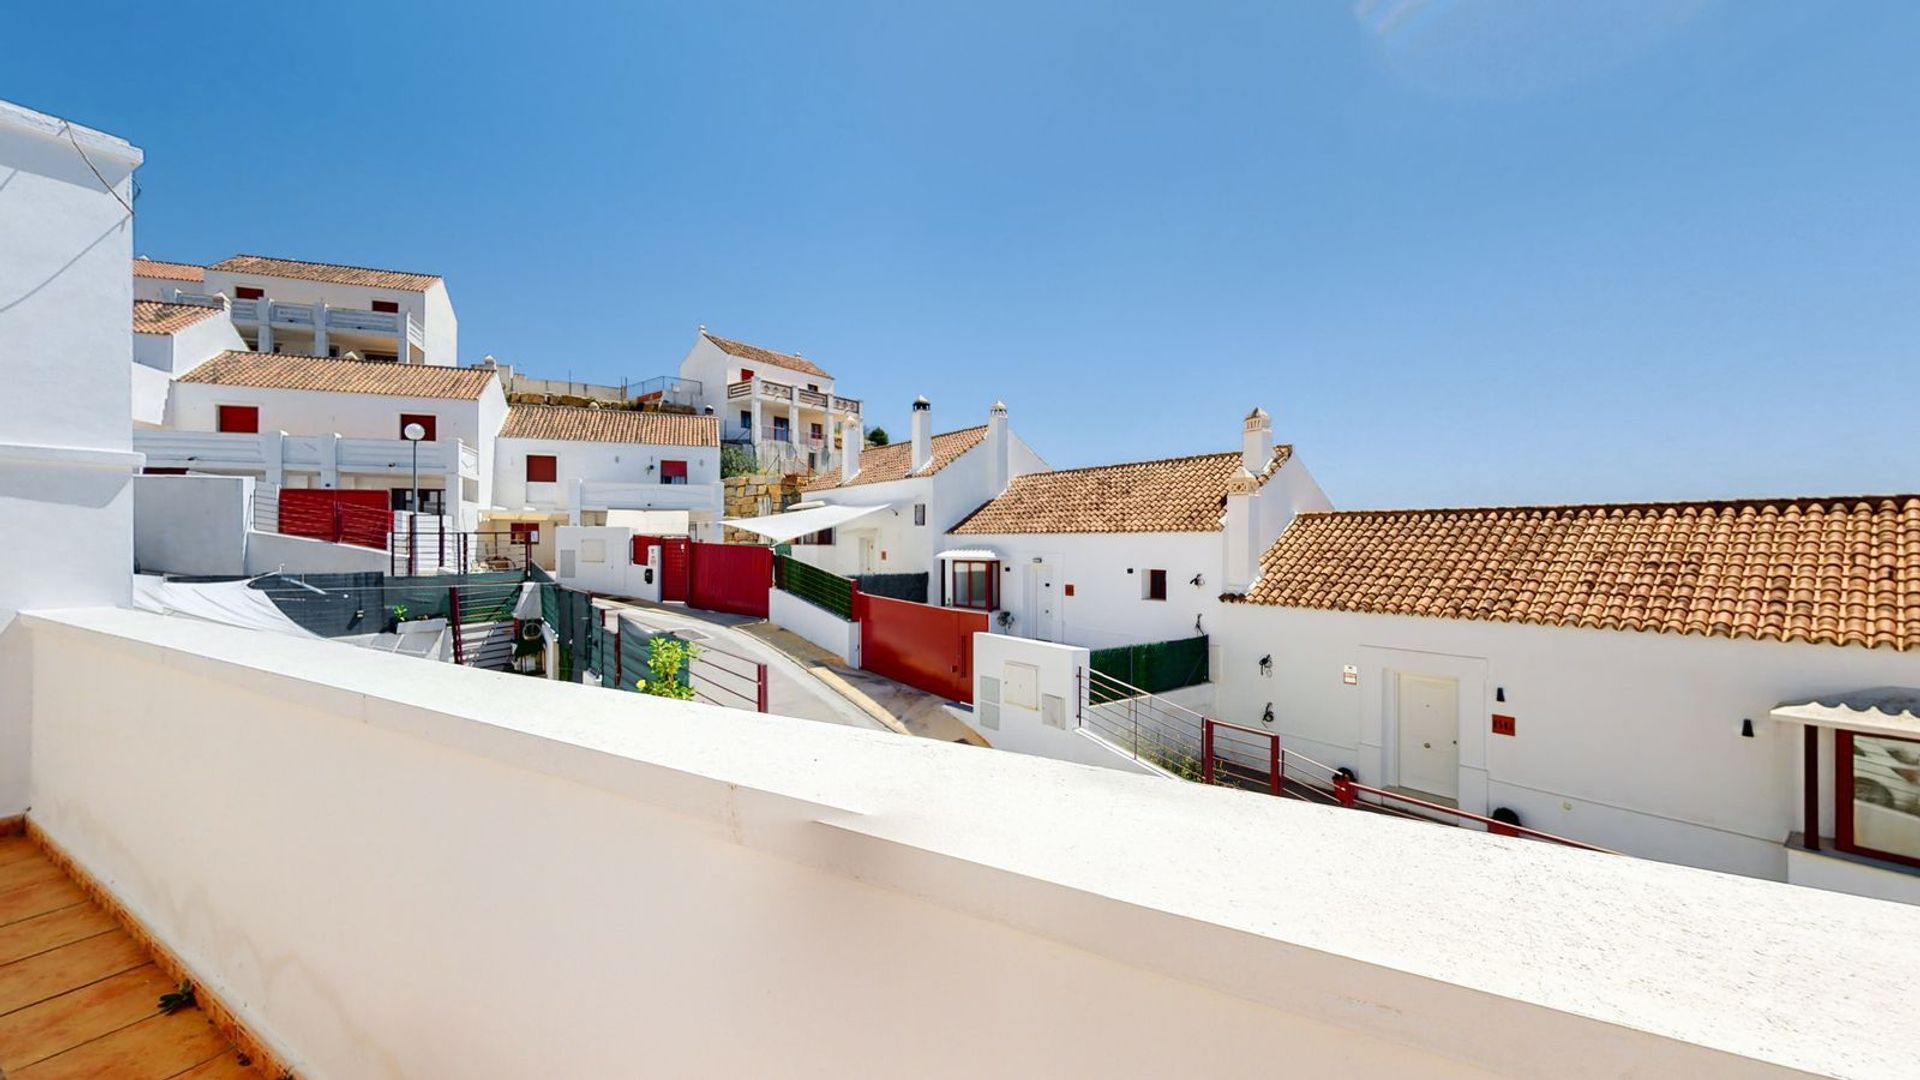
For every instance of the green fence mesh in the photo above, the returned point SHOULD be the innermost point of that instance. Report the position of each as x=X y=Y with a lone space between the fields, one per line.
x=816 y=586
x=1156 y=667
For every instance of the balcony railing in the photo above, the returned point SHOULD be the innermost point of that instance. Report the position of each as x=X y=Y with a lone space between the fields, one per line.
x=273 y=451
x=812 y=399
x=308 y=316
x=620 y=495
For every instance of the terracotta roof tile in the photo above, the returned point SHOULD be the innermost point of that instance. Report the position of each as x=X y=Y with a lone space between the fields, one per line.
x=154 y=317
x=879 y=464
x=1838 y=571
x=331 y=273
x=576 y=424
x=766 y=356
x=1185 y=494
x=170 y=271
x=278 y=371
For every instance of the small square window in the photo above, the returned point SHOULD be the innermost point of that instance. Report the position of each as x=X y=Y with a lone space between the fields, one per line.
x=391 y=307
x=919 y=513
x=248 y=292
x=542 y=468
x=244 y=419
x=1154 y=585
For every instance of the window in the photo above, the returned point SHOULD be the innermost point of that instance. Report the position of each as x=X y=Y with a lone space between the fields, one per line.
x=542 y=468
x=391 y=307
x=524 y=532
x=1154 y=585
x=816 y=432
x=745 y=374
x=919 y=513
x=1877 y=796
x=746 y=421
x=244 y=419
x=248 y=292
x=381 y=357
x=673 y=472
x=425 y=420
x=815 y=387
x=781 y=432
x=823 y=538
x=975 y=584
x=432 y=500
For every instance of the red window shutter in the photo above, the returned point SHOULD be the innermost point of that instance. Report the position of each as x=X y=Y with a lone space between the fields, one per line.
x=248 y=292
x=391 y=307
x=746 y=373
x=241 y=419
x=671 y=469
x=542 y=468
x=425 y=420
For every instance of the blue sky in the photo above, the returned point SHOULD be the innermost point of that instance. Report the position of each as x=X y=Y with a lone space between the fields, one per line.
x=1465 y=251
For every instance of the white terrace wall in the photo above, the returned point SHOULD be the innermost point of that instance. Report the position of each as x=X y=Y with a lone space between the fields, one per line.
x=192 y=524
x=599 y=559
x=1628 y=740
x=703 y=891
x=66 y=296
x=1027 y=698
x=815 y=624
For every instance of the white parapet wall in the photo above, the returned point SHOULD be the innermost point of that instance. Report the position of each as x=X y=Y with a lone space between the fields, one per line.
x=192 y=524
x=393 y=868
x=599 y=559
x=816 y=624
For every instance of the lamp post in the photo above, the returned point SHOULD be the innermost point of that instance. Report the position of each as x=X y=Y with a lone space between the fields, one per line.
x=413 y=434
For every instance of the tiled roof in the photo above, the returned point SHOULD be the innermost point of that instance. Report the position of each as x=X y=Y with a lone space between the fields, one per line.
x=154 y=317
x=171 y=271
x=276 y=371
x=328 y=272
x=1185 y=494
x=879 y=464
x=766 y=356
x=576 y=424
x=1841 y=571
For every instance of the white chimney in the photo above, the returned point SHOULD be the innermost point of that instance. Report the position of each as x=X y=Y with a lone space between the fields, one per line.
x=852 y=434
x=999 y=449
x=1256 y=442
x=922 y=433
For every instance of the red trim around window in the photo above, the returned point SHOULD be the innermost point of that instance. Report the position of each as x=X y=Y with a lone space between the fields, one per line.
x=542 y=468
x=1843 y=797
x=990 y=570
x=239 y=419
x=673 y=470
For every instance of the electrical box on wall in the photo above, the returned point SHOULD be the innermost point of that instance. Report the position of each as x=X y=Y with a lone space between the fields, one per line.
x=1350 y=675
x=1503 y=725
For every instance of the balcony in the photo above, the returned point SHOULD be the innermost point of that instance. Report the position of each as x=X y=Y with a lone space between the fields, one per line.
x=782 y=394
x=310 y=317
x=272 y=453
x=620 y=495
x=816 y=870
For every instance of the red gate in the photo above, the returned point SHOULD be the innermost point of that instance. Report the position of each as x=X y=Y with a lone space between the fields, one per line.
x=342 y=517
x=927 y=647
x=731 y=577
x=676 y=564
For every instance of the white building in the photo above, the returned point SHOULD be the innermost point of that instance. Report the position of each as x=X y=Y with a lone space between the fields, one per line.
x=814 y=868
x=558 y=465
x=319 y=309
x=1635 y=676
x=782 y=406
x=1125 y=554
x=170 y=340
x=317 y=422
x=888 y=508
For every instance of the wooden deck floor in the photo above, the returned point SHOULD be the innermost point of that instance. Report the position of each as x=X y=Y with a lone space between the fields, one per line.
x=79 y=997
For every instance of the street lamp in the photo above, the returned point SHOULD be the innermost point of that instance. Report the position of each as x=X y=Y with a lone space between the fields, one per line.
x=413 y=433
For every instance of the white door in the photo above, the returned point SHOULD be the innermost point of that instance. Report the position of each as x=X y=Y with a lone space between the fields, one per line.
x=1430 y=735
x=867 y=560
x=1043 y=603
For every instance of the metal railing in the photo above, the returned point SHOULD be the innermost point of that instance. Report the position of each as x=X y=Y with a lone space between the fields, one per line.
x=434 y=549
x=728 y=679
x=671 y=389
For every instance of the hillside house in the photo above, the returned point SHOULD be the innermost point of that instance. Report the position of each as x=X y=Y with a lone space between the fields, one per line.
x=169 y=340
x=561 y=465
x=1124 y=554
x=782 y=406
x=1704 y=683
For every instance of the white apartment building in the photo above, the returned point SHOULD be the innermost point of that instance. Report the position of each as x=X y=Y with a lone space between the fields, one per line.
x=170 y=340
x=1726 y=685
x=781 y=405
x=1125 y=554
x=887 y=509
x=318 y=309
x=319 y=422
x=561 y=465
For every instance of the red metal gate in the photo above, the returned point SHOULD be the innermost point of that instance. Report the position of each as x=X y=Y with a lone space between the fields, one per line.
x=676 y=564
x=927 y=647
x=343 y=517
x=731 y=577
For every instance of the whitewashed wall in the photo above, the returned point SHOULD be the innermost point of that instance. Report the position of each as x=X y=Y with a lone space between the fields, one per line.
x=188 y=348
x=630 y=463
x=1013 y=682
x=1108 y=572
x=599 y=559
x=752 y=888
x=816 y=624
x=191 y=524
x=433 y=308
x=1627 y=740
x=66 y=468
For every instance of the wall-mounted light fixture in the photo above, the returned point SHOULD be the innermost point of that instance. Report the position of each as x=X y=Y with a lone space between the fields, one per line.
x=1499 y=693
x=1266 y=665
x=1746 y=728
x=1197 y=581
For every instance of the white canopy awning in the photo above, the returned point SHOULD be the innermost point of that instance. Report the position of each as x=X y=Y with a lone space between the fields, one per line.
x=968 y=555
x=1889 y=710
x=780 y=528
x=232 y=603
